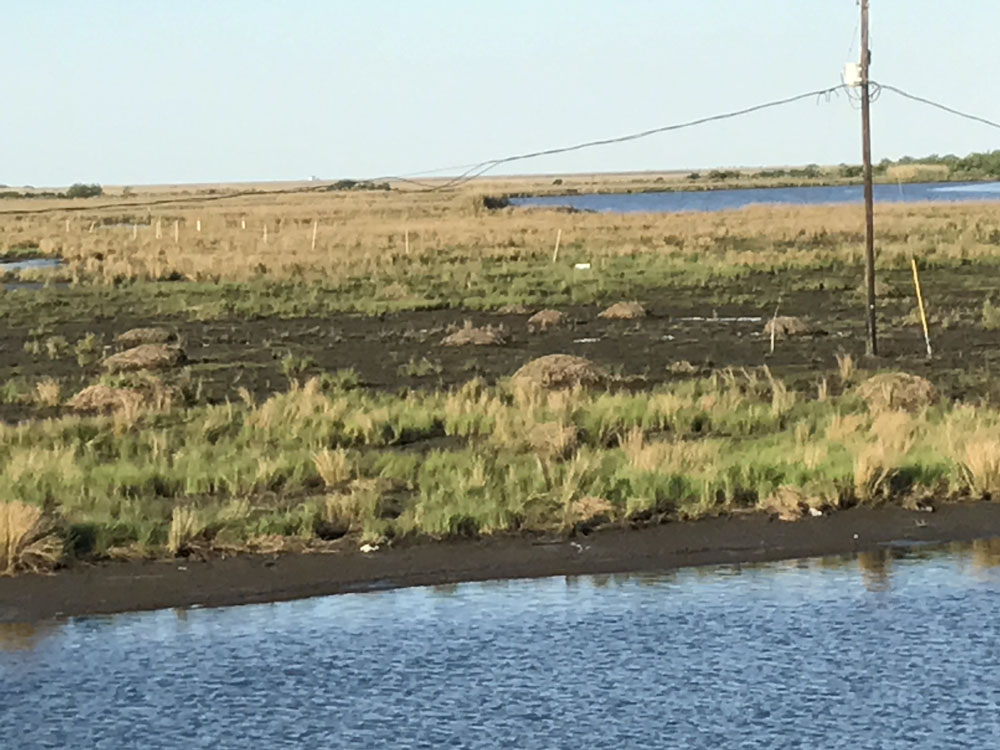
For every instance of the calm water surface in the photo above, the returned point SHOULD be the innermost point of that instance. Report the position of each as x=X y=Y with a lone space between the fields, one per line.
x=893 y=650
x=718 y=200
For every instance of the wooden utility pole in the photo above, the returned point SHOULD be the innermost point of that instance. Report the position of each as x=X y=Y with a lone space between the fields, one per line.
x=866 y=154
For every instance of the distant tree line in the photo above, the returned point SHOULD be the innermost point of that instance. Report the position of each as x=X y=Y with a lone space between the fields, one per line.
x=358 y=185
x=976 y=164
x=76 y=190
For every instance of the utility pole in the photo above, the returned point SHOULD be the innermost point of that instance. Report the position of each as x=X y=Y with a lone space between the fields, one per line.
x=866 y=153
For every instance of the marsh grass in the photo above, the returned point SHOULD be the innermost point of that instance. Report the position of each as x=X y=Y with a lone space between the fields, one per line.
x=27 y=540
x=328 y=457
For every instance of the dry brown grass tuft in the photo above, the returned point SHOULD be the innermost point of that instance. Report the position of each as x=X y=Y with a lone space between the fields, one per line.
x=561 y=371
x=787 y=503
x=105 y=398
x=552 y=439
x=333 y=466
x=681 y=367
x=981 y=466
x=545 y=318
x=145 y=357
x=624 y=311
x=590 y=511
x=47 y=392
x=784 y=326
x=513 y=310
x=152 y=335
x=897 y=390
x=845 y=366
x=185 y=525
x=792 y=503
x=469 y=335
x=27 y=541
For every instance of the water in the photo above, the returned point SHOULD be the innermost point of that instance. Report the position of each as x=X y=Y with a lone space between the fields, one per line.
x=21 y=265
x=718 y=200
x=892 y=650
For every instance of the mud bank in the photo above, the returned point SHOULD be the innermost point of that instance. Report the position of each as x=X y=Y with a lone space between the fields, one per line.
x=130 y=586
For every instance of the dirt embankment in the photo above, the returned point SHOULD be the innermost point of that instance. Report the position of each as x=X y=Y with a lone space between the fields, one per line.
x=131 y=586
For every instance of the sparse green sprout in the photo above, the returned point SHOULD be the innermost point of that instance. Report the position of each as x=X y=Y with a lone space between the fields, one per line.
x=87 y=350
x=55 y=346
x=294 y=366
x=420 y=368
x=991 y=315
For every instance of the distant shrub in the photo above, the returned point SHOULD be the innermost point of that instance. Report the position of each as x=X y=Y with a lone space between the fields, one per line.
x=557 y=181
x=80 y=190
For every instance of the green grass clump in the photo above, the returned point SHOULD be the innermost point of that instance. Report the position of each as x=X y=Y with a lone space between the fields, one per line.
x=320 y=461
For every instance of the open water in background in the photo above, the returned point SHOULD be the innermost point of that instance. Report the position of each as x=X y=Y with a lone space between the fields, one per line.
x=719 y=200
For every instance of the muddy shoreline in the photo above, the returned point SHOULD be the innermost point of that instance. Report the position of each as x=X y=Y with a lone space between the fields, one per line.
x=133 y=586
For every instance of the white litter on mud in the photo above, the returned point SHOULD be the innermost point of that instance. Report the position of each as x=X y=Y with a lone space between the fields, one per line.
x=585 y=341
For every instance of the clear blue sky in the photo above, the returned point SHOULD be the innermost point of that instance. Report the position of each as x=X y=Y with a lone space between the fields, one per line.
x=125 y=92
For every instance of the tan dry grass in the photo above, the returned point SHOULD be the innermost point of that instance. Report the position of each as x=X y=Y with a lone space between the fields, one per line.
x=149 y=335
x=561 y=371
x=514 y=310
x=145 y=357
x=333 y=466
x=469 y=335
x=980 y=461
x=47 y=392
x=784 y=326
x=101 y=397
x=590 y=511
x=185 y=525
x=897 y=390
x=27 y=540
x=552 y=439
x=545 y=318
x=623 y=311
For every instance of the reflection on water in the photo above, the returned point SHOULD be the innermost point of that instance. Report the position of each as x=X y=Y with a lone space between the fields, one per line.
x=893 y=648
x=22 y=636
x=985 y=553
x=21 y=265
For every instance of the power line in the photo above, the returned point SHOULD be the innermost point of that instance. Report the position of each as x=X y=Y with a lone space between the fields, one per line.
x=473 y=171
x=938 y=105
x=485 y=166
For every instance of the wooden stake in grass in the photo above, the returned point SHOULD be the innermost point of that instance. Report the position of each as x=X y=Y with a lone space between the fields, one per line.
x=920 y=304
x=265 y=233
x=197 y=225
x=774 y=324
x=177 y=231
x=159 y=230
x=135 y=231
x=315 y=228
x=67 y=226
x=243 y=223
x=406 y=241
x=555 y=253
x=92 y=224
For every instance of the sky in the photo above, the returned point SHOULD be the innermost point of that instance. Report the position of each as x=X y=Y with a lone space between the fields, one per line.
x=122 y=92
